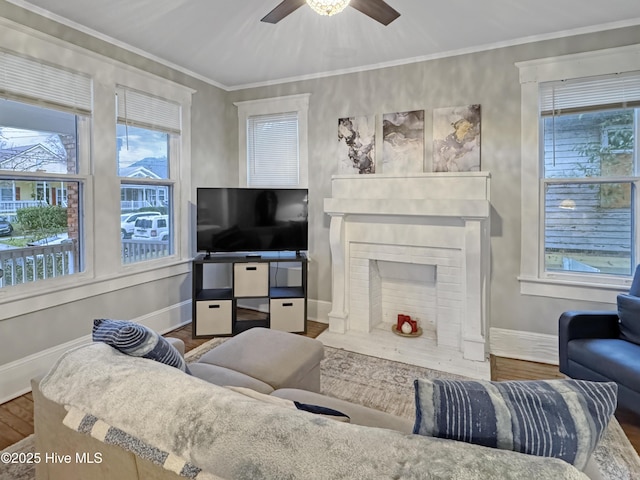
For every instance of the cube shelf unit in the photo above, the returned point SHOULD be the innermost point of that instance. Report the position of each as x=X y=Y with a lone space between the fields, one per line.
x=248 y=277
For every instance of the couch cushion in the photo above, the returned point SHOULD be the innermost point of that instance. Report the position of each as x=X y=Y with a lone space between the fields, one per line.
x=615 y=359
x=629 y=314
x=225 y=377
x=138 y=341
x=551 y=418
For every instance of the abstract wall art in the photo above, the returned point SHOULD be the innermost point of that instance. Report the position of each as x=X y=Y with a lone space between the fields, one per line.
x=403 y=142
x=456 y=139
x=356 y=144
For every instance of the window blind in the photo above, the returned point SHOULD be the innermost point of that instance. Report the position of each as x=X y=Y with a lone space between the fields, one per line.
x=272 y=150
x=146 y=111
x=28 y=80
x=591 y=93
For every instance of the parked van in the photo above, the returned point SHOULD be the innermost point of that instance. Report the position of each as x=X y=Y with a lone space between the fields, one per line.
x=151 y=228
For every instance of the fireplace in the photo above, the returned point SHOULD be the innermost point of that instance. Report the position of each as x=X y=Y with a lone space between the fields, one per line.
x=416 y=245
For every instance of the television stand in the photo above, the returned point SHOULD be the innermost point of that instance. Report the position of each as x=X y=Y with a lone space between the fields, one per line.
x=229 y=279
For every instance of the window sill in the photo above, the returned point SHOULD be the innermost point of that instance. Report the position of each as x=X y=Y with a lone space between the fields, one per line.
x=573 y=290
x=14 y=305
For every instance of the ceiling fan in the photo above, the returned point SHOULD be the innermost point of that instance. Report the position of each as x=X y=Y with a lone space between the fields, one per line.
x=379 y=10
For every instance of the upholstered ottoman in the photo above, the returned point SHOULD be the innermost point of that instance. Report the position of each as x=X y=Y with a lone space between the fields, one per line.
x=264 y=360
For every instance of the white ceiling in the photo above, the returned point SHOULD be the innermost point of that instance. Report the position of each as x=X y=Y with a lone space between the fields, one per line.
x=224 y=42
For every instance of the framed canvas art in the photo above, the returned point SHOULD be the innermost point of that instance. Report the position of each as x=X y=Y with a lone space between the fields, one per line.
x=403 y=142
x=456 y=139
x=356 y=144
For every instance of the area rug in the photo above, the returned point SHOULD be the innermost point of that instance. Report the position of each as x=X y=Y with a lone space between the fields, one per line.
x=387 y=386
x=18 y=470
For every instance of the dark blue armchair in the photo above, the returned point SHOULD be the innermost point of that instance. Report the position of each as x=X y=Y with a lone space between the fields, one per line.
x=605 y=346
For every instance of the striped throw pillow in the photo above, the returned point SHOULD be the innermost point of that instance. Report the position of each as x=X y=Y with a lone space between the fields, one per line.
x=137 y=340
x=551 y=418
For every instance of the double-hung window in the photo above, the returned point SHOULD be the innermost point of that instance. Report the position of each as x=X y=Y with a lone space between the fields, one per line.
x=273 y=142
x=148 y=136
x=589 y=131
x=44 y=143
x=580 y=155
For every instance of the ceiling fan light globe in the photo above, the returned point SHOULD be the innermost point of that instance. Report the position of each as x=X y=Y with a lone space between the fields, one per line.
x=328 y=7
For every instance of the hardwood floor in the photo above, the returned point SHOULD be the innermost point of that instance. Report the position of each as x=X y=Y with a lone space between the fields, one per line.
x=16 y=416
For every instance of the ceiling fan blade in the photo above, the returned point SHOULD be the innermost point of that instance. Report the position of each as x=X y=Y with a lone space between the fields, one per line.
x=282 y=10
x=379 y=10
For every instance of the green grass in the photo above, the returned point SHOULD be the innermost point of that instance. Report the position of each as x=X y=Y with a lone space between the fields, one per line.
x=15 y=242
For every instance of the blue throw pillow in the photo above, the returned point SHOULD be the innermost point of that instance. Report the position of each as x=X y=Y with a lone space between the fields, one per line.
x=550 y=418
x=629 y=315
x=283 y=402
x=324 y=411
x=137 y=340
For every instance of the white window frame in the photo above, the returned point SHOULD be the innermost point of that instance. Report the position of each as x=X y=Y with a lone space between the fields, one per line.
x=71 y=92
x=139 y=109
x=98 y=170
x=533 y=278
x=266 y=106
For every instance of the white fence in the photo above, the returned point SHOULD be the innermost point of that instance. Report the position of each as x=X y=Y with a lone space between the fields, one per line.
x=30 y=264
x=140 y=250
x=9 y=208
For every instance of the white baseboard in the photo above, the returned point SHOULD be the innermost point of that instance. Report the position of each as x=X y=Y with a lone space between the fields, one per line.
x=521 y=345
x=16 y=376
x=318 y=311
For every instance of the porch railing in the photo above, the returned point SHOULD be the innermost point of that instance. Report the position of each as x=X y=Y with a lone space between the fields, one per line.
x=9 y=208
x=135 y=205
x=137 y=251
x=30 y=264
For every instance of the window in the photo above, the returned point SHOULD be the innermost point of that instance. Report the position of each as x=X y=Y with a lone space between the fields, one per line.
x=272 y=150
x=580 y=156
x=44 y=116
x=148 y=133
x=273 y=141
x=589 y=130
x=72 y=177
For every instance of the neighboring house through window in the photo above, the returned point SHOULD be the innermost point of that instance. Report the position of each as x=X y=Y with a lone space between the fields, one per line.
x=580 y=155
x=273 y=142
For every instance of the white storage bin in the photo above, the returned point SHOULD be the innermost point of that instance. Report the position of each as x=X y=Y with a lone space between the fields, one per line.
x=251 y=279
x=287 y=314
x=214 y=317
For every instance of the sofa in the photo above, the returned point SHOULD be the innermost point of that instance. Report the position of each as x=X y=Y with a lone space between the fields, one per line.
x=117 y=416
x=604 y=346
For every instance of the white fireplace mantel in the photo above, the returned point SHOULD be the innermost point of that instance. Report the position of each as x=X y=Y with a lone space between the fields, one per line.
x=438 y=220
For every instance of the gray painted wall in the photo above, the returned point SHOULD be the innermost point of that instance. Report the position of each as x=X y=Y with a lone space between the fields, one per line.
x=488 y=78
x=48 y=328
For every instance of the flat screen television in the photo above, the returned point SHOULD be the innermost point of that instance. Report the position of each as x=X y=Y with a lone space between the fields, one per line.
x=252 y=219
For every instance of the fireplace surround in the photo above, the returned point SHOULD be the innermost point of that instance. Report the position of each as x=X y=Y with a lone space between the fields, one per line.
x=416 y=245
